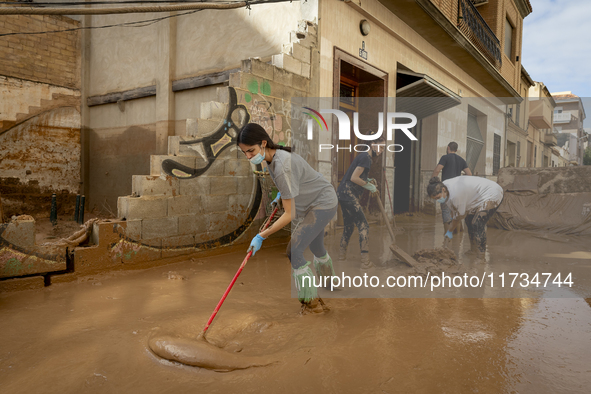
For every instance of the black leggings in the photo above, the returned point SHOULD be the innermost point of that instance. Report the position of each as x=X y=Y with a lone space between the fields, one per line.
x=476 y=224
x=353 y=217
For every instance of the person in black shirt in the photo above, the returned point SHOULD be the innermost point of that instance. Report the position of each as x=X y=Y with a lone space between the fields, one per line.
x=353 y=184
x=451 y=165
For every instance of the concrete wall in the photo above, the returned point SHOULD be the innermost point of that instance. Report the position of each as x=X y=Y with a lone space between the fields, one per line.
x=260 y=32
x=121 y=143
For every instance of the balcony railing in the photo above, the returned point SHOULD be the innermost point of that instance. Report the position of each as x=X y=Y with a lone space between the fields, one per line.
x=563 y=117
x=471 y=23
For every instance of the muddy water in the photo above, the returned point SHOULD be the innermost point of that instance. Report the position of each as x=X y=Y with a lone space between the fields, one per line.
x=93 y=336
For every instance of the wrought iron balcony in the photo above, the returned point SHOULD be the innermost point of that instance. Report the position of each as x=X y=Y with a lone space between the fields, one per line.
x=471 y=23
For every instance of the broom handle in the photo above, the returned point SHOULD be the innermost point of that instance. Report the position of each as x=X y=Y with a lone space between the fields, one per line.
x=388 y=189
x=377 y=196
x=390 y=198
x=248 y=255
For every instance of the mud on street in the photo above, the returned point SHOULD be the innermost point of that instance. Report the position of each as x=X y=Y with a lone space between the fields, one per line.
x=92 y=335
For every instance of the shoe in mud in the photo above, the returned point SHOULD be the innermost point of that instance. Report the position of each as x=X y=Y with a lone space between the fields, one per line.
x=342 y=254
x=314 y=306
x=365 y=263
x=368 y=265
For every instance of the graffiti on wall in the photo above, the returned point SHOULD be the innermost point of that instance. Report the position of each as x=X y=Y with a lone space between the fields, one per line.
x=273 y=114
x=236 y=117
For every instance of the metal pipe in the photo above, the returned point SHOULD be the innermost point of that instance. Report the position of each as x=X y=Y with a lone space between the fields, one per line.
x=81 y=213
x=53 y=213
x=76 y=212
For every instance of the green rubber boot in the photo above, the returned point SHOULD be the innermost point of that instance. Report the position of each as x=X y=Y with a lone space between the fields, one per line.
x=324 y=268
x=306 y=289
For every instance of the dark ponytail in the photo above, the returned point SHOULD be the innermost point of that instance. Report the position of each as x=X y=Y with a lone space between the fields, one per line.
x=254 y=134
x=435 y=186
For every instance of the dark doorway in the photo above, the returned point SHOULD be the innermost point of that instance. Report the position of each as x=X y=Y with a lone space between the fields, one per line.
x=359 y=88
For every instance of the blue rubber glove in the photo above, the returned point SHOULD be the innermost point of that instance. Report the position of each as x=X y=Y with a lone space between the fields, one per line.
x=276 y=200
x=371 y=187
x=370 y=180
x=449 y=235
x=256 y=244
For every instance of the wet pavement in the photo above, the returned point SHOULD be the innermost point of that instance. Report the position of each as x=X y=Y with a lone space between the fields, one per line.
x=91 y=336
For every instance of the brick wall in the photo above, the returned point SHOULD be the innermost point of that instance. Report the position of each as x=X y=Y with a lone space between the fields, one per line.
x=448 y=8
x=52 y=58
x=495 y=12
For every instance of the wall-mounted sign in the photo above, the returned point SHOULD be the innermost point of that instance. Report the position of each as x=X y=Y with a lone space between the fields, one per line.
x=362 y=51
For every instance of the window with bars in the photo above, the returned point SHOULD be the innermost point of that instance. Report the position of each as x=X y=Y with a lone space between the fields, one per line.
x=496 y=154
x=347 y=94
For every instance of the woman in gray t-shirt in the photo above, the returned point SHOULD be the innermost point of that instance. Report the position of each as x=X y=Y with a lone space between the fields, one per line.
x=307 y=197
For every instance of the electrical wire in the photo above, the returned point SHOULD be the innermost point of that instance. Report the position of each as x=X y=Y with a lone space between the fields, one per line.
x=87 y=3
x=142 y=23
x=34 y=9
x=25 y=10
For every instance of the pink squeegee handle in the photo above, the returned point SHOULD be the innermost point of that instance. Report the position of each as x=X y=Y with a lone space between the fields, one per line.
x=217 y=308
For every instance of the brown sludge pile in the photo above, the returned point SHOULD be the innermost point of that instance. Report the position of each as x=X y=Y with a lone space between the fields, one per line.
x=435 y=260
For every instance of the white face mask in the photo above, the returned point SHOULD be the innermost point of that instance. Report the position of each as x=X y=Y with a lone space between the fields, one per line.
x=258 y=159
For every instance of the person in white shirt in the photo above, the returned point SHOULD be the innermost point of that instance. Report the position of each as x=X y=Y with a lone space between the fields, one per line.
x=473 y=198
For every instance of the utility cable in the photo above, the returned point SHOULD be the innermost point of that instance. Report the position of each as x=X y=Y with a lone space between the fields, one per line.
x=26 y=10
x=142 y=23
x=102 y=2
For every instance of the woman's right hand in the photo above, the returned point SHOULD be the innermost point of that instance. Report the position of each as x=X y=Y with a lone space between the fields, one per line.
x=256 y=244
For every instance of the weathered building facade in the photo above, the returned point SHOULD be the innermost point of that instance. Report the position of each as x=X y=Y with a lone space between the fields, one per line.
x=569 y=115
x=39 y=113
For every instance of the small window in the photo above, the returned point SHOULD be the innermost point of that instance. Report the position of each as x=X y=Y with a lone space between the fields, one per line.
x=558 y=110
x=347 y=94
x=508 y=39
